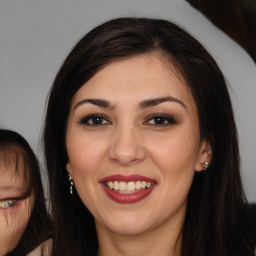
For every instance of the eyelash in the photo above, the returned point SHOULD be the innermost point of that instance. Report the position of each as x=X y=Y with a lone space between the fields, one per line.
x=167 y=119
x=94 y=117
x=99 y=120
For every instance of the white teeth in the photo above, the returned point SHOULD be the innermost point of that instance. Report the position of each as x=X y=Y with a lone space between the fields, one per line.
x=148 y=184
x=122 y=185
x=116 y=185
x=138 y=185
x=131 y=186
x=110 y=185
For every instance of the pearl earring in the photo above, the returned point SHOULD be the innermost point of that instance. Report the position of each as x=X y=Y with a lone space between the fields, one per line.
x=205 y=165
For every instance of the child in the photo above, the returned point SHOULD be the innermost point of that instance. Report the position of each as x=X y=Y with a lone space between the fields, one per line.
x=24 y=221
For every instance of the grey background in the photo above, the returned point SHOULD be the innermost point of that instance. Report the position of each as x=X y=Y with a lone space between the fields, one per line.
x=36 y=36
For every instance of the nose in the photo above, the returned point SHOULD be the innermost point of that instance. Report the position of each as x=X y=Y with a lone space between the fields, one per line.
x=127 y=147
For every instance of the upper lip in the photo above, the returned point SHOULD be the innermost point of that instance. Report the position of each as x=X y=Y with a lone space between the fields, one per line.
x=129 y=178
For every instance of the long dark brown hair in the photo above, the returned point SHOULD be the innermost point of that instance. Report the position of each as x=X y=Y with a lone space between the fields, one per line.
x=15 y=151
x=216 y=220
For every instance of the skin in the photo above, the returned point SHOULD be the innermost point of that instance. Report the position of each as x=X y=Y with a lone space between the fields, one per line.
x=14 y=219
x=129 y=140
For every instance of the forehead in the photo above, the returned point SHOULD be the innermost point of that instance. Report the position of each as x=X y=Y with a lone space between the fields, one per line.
x=12 y=167
x=136 y=78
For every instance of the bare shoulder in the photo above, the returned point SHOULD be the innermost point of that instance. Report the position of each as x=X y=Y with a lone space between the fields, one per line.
x=43 y=249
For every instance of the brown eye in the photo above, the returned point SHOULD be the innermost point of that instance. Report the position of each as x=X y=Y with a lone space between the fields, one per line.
x=8 y=203
x=95 y=120
x=161 y=120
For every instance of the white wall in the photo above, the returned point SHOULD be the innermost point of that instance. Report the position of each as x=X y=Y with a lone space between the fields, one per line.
x=36 y=35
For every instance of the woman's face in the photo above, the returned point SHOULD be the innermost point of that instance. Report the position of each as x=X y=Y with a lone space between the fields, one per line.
x=14 y=212
x=134 y=145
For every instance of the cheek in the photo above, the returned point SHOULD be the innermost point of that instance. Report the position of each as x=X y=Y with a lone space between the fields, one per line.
x=13 y=222
x=86 y=159
x=175 y=159
x=85 y=154
x=175 y=153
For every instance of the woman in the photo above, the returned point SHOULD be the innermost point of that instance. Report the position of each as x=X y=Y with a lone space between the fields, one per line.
x=23 y=217
x=141 y=148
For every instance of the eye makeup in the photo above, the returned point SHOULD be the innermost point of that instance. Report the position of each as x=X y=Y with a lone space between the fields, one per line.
x=94 y=120
x=160 y=119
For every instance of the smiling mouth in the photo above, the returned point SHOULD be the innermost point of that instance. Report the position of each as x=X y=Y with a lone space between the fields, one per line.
x=128 y=187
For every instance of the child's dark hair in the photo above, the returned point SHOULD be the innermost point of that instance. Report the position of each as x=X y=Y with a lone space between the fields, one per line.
x=15 y=149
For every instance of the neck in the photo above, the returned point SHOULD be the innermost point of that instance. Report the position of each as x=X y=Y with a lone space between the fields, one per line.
x=164 y=241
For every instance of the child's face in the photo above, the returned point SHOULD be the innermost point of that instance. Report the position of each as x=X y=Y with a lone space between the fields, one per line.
x=15 y=210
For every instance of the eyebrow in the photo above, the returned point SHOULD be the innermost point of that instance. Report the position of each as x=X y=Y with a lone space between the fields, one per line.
x=144 y=104
x=157 y=101
x=97 y=102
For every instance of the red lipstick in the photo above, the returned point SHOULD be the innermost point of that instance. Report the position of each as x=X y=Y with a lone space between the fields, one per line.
x=131 y=197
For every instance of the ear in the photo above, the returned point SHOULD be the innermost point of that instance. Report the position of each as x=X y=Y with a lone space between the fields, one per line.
x=204 y=155
x=68 y=167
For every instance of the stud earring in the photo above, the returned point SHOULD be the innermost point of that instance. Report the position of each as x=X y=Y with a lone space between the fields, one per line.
x=205 y=165
x=71 y=184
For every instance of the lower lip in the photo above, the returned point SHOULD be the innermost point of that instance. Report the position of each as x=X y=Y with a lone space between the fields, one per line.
x=127 y=198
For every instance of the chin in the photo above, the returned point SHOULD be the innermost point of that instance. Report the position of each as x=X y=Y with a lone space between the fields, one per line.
x=128 y=230
x=127 y=225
